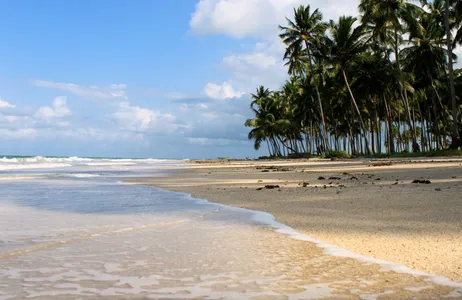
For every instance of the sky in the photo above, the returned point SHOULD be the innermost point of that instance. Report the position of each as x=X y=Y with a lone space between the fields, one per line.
x=145 y=78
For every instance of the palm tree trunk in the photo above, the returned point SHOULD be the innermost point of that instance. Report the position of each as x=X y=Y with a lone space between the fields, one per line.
x=390 y=124
x=403 y=94
x=269 y=149
x=436 y=126
x=368 y=146
x=312 y=138
x=321 y=110
x=455 y=134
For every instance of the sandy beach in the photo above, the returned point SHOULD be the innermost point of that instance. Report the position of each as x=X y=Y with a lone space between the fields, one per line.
x=369 y=207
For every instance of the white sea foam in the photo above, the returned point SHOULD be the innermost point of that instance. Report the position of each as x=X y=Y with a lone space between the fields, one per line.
x=100 y=164
x=4 y=167
x=83 y=175
x=269 y=220
x=75 y=159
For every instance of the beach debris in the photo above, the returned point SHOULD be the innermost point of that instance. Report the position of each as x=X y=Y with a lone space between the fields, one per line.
x=271 y=187
x=379 y=179
x=259 y=189
x=304 y=184
x=345 y=173
x=422 y=181
x=334 y=178
x=396 y=183
x=260 y=181
x=273 y=169
x=265 y=171
x=381 y=164
x=354 y=178
x=325 y=186
x=438 y=190
x=321 y=178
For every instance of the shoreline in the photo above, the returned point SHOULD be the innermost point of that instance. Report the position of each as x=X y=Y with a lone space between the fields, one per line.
x=341 y=209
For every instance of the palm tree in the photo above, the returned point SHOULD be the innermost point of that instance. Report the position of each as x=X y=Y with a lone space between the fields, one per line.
x=306 y=30
x=428 y=47
x=297 y=61
x=346 y=45
x=455 y=134
x=385 y=16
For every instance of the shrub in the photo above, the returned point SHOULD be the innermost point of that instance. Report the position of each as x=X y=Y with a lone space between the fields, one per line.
x=337 y=154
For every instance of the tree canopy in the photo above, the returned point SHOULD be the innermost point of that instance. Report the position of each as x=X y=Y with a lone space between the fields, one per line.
x=381 y=82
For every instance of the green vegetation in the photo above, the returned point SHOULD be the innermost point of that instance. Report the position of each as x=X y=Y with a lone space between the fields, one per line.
x=337 y=154
x=379 y=84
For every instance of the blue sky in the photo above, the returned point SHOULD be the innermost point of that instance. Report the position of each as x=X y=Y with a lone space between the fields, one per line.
x=138 y=78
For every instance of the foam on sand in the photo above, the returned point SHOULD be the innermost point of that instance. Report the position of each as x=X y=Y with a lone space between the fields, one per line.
x=269 y=220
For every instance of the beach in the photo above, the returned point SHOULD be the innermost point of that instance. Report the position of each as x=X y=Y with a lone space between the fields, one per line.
x=369 y=207
x=77 y=228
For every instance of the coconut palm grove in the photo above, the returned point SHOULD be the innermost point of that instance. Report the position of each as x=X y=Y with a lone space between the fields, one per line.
x=379 y=83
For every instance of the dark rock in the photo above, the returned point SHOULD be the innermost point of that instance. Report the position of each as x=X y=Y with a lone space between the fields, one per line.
x=422 y=181
x=321 y=178
x=271 y=187
x=382 y=164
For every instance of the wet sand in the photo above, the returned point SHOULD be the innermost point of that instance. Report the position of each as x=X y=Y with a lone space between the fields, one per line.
x=360 y=206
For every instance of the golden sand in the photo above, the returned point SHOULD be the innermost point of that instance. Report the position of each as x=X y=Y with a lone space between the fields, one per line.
x=371 y=208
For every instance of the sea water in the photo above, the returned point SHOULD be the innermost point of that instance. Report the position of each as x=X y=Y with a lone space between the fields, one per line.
x=70 y=229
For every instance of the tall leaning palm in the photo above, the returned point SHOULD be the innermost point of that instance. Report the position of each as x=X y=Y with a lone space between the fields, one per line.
x=306 y=30
x=399 y=17
x=346 y=45
x=455 y=134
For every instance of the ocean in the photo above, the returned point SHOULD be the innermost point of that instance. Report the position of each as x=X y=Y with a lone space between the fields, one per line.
x=71 y=229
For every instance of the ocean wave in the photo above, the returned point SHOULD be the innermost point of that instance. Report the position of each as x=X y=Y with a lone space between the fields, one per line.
x=4 y=167
x=76 y=159
x=95 y=164
x=73 y=175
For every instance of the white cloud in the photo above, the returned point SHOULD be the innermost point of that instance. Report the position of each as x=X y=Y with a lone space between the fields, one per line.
x=57 y=110
x=135 y=118
x=4 y=104
x=210 y=115
x=198 y=141
x=114 y=91
x=221 y=92
x=14 y=134
x=263 y=65
x=257 y=18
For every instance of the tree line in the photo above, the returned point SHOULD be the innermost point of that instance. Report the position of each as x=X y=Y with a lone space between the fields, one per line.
x=382 y=82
